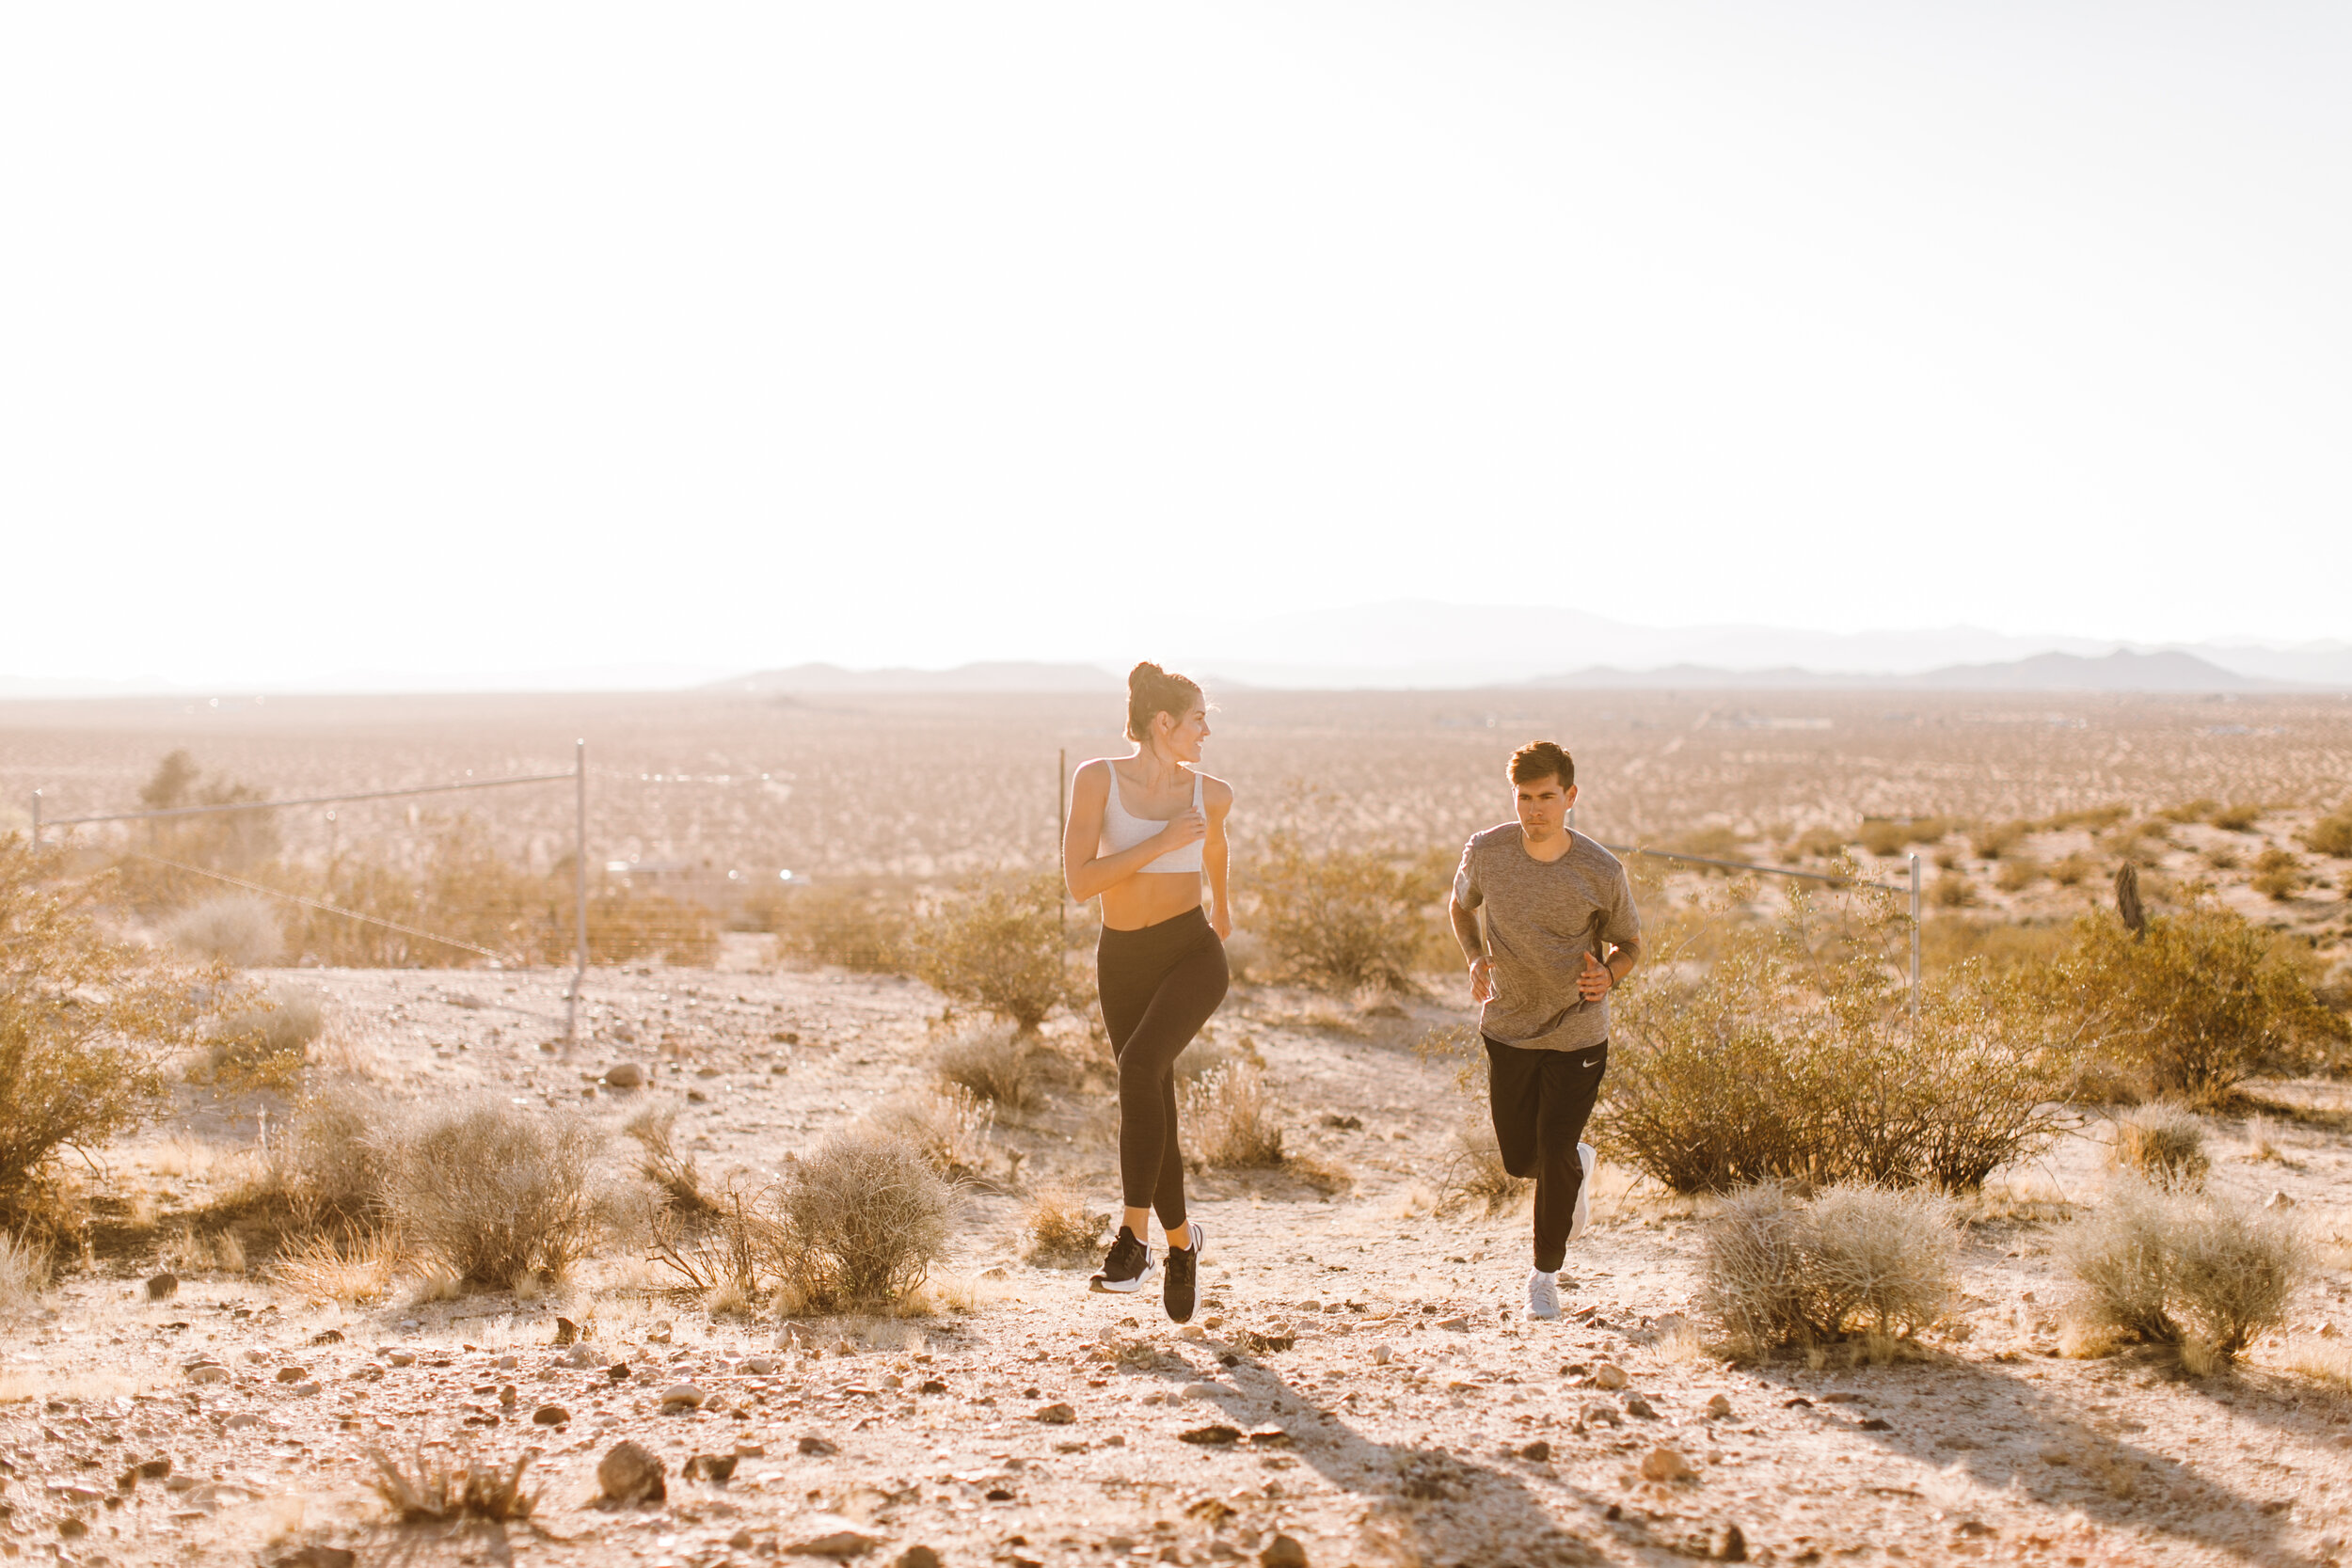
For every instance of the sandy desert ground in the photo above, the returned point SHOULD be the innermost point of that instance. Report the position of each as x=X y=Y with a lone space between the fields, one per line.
x=1359 y=1382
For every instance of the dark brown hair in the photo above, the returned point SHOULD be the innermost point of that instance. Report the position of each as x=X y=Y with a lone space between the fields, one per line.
x=1543 y=759
x=1151 y=690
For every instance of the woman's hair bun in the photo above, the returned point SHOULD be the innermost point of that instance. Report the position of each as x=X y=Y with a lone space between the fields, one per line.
x=1153 y=690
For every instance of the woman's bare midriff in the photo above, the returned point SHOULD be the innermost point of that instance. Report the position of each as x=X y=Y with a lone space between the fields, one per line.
x=1149 y=898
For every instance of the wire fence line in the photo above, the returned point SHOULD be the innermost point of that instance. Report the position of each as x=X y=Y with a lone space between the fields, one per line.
x=578 y=778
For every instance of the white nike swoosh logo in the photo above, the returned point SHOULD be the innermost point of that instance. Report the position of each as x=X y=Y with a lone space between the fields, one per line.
x=1595 y=1062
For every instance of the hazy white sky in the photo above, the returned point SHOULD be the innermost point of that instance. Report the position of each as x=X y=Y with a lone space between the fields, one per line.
x=481 y=337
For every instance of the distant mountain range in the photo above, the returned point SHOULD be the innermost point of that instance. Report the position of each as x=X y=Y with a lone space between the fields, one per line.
x=1003 y=676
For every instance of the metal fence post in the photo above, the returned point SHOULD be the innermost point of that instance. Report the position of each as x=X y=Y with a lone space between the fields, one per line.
x=1915 y=940
x=579 y=888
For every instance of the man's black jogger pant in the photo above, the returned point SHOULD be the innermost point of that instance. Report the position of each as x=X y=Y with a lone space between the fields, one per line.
x=1541 y=1101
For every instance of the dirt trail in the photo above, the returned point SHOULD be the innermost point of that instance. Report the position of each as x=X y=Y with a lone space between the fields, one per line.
x=1360 y=1381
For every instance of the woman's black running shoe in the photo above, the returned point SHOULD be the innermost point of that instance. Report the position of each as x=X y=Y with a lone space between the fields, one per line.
x=1127 y=1267
x=1183 y=1265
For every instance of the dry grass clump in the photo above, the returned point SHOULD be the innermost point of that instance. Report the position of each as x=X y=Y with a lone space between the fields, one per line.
x=1817 y=843
x=1793 y=1055
x=2074 y=870
x=325 y=1270
x=1476 y=1173
x=2161 y=1144
x=1953 y=891
x=1886 y=836
x=1996 y=842
x=2201 y=1000
x=25 y=1272
x=1862 y=1262
x=999 y=948
x=671 y=1174
x=1061 y=1229
x=2279 y=875
x=950 y=1126
x=333 y=1161
x=2183 y=1269
x=433 y=1492
x=241 y=928
x=1341 y=921
x=998 y=1062
x=861 y=1220
x=498 y=1191
x=2238 y=818
x=2018 y=873
x=1228 y=1115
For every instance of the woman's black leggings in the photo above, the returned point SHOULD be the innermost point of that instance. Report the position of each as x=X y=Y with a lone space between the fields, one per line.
x=1159 y=986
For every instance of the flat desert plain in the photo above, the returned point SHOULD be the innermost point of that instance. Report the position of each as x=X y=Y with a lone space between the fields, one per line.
x=1360 y=1387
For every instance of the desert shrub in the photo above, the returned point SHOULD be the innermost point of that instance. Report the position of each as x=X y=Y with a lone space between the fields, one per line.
x=999 y=948
x=1476 y=1173
x=1793 y=1055
x=262 y=1045
x=861 y=929
x=996 y=1062
x=2163 y=1145
x=1994 y=841
x=2203 y=999
x=721 y=1251
x=669 y=1173
x=1228 y=1115
x=499 y=1193
x=2239 y=818
x=1860 y=1261
x=861 y=1220
x=2073 y=870
x=949 y=1125
x=333 y=1159
x=2332 y=834
x=86 y=1026
x=2183 y=1269
x=627 y=925
x=2223 y=857
x=2279 y=875
x=1953 y=891
x=444 y=1491
x=1341 y=920
x=241 y=928
x=1062 y=1229
x=2093 y=819
x=2018 y=873
x=1817 y=843
x=2002 y=946
x=1888 y=835
x=2199 y=810
x=23 y=1275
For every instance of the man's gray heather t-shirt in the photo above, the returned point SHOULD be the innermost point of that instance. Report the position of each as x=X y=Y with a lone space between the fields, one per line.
x=1542 y=918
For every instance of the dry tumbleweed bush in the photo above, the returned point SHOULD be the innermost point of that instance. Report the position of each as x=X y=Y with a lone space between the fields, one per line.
x=862 y=1219
x=1062 y=1229
x=1859 y=1261
x=2183 y=1269
x=440 y=1492
x=1228 y=1117
x=2162 y=1144
x=949 y=1125
x=498 y=1191
x=996 y=1062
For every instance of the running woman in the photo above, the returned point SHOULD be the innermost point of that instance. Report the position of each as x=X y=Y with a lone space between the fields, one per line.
x=1144 y=830
x=1560 y=932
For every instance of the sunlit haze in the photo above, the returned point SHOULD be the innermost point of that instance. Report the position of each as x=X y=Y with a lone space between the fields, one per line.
x=431 y=340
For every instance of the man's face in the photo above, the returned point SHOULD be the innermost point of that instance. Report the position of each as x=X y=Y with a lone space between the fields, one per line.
x=1544 y=805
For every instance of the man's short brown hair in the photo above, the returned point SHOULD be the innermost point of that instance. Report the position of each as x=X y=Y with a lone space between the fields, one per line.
x=1543 y=759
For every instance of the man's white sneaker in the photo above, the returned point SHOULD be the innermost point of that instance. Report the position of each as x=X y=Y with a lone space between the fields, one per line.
x=1581 y=1220
x=1543 y=1294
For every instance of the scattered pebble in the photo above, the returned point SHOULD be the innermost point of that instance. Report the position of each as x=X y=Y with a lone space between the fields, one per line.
x=629 y=1474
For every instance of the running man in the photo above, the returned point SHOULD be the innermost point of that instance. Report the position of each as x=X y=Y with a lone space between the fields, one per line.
x=1560 y=931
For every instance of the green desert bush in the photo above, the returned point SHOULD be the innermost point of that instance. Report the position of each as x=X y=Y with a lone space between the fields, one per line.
x=860 y=1221
x=2332 y=834
x=499 y=1194
x=863 y=929
x=1859 y=1261
x=241 y=928
x=2187 y=1269
x=2163 y=1145
x=266 y=1044
x=86 y=1025
x=999 y=948
x=1793 y=1055
x=1343 y=920
x=2199 y=1001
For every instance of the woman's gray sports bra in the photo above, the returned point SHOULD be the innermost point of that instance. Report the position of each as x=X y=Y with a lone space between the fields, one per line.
x=1123 y=830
